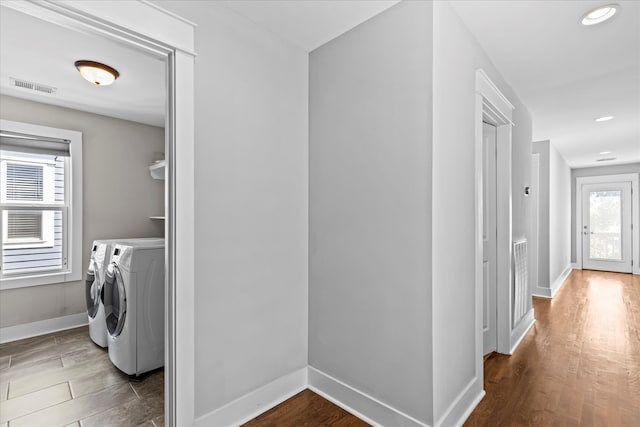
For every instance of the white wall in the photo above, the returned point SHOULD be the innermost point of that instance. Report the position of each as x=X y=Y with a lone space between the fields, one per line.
x=370 y=208
x=593 y=171
x=456 y=56
x=119 y=197
x=251 y=173
x=559 y=215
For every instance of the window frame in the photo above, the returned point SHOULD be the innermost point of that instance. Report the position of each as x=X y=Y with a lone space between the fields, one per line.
x=47 y=238
x=72 y=214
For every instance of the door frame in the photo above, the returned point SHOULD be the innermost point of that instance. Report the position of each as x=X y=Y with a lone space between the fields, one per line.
x=534 y=241
x=493 y=107
x=635 y=213
x=146 y=27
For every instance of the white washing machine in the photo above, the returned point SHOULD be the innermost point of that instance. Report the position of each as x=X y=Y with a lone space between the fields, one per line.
x=134 y=306
x=94 y=282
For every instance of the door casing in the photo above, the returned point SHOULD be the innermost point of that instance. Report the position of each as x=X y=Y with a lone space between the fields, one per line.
x=635 y=214
x=155 y=31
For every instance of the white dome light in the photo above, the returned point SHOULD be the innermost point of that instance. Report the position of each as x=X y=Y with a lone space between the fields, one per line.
x=97 y=73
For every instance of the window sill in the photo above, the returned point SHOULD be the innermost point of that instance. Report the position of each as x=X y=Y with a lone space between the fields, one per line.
x=8 y=282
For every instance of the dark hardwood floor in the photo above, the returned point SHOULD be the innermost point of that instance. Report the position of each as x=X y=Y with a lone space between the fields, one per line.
x=306 y=409
x=64 y=379
x=578 y=366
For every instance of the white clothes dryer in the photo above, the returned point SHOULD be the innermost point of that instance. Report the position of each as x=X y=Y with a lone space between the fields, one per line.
x=134 y=307
x=98 y=261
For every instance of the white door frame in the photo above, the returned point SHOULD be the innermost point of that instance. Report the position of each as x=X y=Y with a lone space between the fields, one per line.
x=144 y=26
x=492 y=106
x=534 y=241
x=635 y=213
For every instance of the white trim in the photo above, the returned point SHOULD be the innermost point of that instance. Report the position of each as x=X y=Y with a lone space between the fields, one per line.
x=463 y=405
x=73 y=195
x=490 y=92
x=256 y=402
x=550 y=292
x=489 y=99
x=42 y=327
x=147 y=28
x=360 y=404
x=504 y=265
x=521 y=330
x=635 y=213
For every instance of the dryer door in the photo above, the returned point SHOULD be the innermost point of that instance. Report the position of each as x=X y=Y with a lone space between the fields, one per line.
x=92 y=289
x=115 y=300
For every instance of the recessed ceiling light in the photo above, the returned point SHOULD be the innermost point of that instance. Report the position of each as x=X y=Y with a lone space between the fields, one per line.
x=97 y=73
x=604 y=119
x=599 y=14
x=605 y=152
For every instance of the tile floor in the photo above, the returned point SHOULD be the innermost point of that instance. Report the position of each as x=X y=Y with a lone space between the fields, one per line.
x=64 y=379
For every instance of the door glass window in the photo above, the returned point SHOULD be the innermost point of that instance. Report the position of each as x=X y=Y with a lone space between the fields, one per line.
x=605 y=221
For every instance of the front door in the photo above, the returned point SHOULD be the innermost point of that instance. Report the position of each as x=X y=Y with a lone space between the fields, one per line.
x=489 y=237
x=606 y=226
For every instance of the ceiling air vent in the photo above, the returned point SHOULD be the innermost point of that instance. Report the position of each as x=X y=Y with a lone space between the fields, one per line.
x=607 y=159
x=38 y=87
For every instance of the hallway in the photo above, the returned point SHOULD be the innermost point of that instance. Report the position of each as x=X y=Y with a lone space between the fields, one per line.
x=580 y=363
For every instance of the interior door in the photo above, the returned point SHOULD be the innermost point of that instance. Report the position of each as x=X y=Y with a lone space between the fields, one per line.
x=489 y=237
x=606 y=227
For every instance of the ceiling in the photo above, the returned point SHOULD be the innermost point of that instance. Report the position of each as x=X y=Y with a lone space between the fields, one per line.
x=308 y=24
x=45 y=54
x=566 y=74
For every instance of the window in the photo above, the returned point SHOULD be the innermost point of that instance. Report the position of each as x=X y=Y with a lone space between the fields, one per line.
x=40 y=205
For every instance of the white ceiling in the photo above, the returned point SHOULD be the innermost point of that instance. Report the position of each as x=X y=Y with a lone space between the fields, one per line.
x=308 y=24
x=568 y=74
x=41 y=52
x=565 y=73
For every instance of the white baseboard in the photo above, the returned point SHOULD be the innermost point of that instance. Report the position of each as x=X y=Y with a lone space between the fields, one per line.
x=560 y=280
x=42 y=327
x=363 y=406
x=460 y=409
x=551 y=291
x=252 y=404
x=518 y=334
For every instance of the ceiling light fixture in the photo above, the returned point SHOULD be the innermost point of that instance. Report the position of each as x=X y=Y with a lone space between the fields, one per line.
x=604 y=119
x=599 y=14
x=604 y=152
x=97 y=73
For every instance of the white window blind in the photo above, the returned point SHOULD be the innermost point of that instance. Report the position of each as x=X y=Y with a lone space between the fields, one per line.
x=24 y=226
x=24 y=182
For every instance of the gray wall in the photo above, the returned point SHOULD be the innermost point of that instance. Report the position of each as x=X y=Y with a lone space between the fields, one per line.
x=456 y=57
x=594 y=171
x=370 y=208
x=119 y=197
x=559 y=214
x=542 y=148
x=251 y=173
x=554 y=234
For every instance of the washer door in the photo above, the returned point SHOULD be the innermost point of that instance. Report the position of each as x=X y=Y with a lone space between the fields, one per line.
x=92 y=289
x=115 y=300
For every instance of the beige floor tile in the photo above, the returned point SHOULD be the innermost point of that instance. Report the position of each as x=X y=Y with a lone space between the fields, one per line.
x=78 y=409
x=32 y=402
x=5 y=361
x=20 y=386
x=130 y=414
